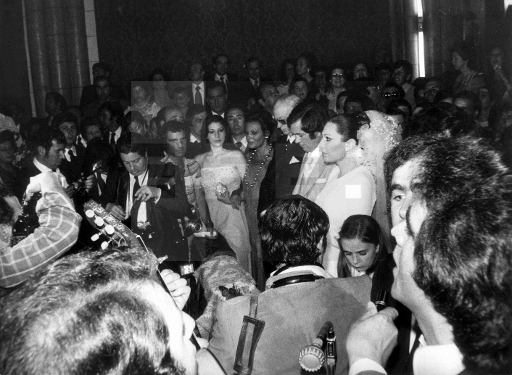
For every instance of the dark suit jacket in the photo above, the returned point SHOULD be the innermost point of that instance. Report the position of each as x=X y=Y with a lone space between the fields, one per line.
x=235 y=87
x=89 y=94
x=73 y=170
x=29 y=170
x=166 y=238
x=292 y=317
x=196 y=148
x=282 y=172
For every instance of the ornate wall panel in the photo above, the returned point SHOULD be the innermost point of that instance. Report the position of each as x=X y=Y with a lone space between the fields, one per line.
x=136 y=36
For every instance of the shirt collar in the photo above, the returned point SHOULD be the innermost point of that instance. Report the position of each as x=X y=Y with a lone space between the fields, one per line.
x=41 y=167
x=438 y=359
x=218 y=77
x=194 y=139
x=315 y=153
x=315 y=270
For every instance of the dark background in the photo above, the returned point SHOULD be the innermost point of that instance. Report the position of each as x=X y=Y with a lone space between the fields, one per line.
x=135 y=37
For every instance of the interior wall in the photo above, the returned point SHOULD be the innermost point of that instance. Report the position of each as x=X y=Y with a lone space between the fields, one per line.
x=13 y=62
x=136 y=36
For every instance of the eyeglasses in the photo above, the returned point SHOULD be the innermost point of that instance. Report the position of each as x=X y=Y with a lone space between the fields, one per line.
x=391 y=95
x=340 y=75
x=281 y=121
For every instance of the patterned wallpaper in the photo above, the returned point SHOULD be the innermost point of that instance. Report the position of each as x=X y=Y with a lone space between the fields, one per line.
x=137 y=35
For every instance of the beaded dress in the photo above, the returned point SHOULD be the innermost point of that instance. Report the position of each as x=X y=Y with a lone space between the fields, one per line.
x=255 y=172
x=230 y=222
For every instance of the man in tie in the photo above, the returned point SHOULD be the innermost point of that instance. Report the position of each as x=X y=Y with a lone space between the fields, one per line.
x=253 y=84
x=453 y=198
x=150 y=198
x=284 y=168
x=111 y=114
x=72 y=164
x=306 y=122
x=236 y=121
x=217 y=98
x=220 y=66
x=196 y=75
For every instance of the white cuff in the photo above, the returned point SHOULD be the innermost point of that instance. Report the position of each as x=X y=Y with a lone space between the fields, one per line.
x=365 y=364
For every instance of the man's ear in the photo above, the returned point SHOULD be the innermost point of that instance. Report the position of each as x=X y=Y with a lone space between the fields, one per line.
x=377 y=248
x=350 y=144
x=41 y=151
x=318 y=134
x=408 y=78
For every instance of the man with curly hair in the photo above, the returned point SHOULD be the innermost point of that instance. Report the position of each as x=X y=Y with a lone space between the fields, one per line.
x=300 y=297
x=453 y=227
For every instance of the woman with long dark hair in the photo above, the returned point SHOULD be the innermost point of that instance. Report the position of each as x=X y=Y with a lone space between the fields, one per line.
x=221 y=174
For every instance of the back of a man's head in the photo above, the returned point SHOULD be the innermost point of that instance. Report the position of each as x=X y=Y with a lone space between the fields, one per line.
x=291 y=230
x=86 y=313
x=462 y=254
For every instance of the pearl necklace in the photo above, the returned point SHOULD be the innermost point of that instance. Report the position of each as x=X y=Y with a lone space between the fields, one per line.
x=251 y=156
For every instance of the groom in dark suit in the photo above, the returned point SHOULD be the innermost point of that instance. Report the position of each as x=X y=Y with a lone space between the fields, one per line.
x=150 y=199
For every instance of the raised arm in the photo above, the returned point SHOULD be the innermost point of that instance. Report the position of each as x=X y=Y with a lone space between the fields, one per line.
x=58 y=232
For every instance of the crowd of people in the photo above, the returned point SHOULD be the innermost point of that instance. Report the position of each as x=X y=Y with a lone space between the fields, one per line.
x=302 y=199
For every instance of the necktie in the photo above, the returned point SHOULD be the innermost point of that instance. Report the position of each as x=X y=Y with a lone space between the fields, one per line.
x=239 y=145
x=416 y=344
x=198 y=99
x=222 y=79
x=113 y=139
x=72 y=156
x=256 y=84
x=136 y=187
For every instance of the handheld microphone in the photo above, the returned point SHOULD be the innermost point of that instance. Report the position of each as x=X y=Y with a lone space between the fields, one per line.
x=312 y=357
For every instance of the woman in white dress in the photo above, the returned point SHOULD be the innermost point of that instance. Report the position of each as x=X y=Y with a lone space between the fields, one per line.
x=221 y=173
x=376 y=137
x=350 y=189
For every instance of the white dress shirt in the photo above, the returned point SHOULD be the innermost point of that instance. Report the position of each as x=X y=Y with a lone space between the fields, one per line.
x=44 y=168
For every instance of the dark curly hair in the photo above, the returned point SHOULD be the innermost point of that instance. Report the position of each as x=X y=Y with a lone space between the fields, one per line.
x=462 y=252
x=291 y=229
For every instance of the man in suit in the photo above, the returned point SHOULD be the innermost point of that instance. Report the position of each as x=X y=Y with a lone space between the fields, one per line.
x=90 y=94
x=54 y=103
x=110 y=115
x=236 y=121
x=197 y=88
x=220 y=66
x=234 y=87
x=217 y=98
x=104 y=95
x=150 y=199
x=196 y=115
x=284 y=168
x=293 y=231
x=306 y=122
x=253 y=83
x=453 y=262
x=48 y=150
x=72 y=164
